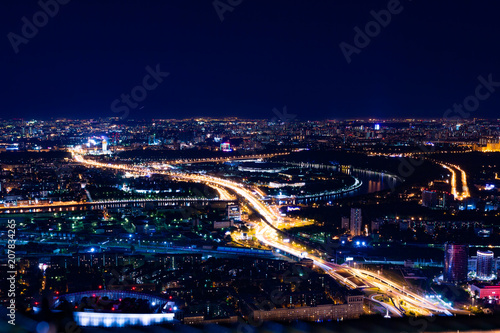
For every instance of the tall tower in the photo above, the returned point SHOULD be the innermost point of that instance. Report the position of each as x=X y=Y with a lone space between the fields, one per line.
x=104 y=145
x=345 y=223
x=485 y=264
x=356 y=222
x=429 y=199
x=456 y=260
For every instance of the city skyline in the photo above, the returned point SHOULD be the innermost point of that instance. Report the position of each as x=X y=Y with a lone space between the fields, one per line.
x=296 y=220
x=249 y=166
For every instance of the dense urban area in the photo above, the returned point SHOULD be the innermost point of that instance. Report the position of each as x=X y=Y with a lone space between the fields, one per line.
x=238 y=222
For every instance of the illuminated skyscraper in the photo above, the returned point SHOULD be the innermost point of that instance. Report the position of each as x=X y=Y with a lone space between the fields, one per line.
x=356 y=222
x=455 y=263
x=485 y=264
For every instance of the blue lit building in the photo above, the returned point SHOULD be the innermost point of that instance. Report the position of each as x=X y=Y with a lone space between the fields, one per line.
x=456 y=260
x=485 y=265
x=160 y=310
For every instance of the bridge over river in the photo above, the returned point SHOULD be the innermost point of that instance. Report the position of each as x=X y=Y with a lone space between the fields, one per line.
x=108 y=204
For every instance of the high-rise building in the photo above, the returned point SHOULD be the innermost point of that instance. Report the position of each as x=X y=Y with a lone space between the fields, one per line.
x=456 y=259
x=429 y=199
x=485 y=265
x=356 y=222
x=345 y=222
x=445 y=200
x=375 y=225
x=233 y=212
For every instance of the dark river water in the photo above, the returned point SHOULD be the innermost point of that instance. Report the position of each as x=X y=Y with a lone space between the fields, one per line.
x=372 y=182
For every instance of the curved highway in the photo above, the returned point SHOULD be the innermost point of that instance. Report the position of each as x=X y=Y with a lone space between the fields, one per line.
x=266 y=232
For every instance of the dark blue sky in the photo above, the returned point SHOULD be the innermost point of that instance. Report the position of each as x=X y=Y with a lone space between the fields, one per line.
x=265 y=54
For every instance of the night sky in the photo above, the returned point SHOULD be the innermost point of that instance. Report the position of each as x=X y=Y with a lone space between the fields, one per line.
x=265 y=54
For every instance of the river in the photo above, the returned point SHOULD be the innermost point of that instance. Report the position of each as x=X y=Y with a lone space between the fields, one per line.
x=372 y=182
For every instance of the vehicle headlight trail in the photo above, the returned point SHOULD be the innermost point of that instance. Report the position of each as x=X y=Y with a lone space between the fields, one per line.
x=266 y=232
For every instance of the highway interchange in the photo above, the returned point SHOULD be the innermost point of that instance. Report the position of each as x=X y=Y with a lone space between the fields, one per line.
x=267 y=232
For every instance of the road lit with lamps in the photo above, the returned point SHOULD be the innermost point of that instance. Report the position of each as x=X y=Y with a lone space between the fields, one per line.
x=267 y=232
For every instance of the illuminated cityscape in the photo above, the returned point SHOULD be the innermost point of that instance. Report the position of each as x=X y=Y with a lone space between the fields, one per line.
x=325 y=238
x=240 y=166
